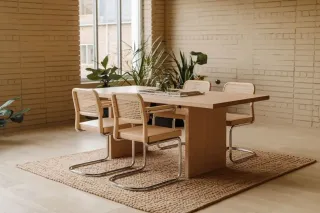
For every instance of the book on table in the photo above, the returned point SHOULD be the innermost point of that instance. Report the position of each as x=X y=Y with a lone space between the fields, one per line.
x=171 y=92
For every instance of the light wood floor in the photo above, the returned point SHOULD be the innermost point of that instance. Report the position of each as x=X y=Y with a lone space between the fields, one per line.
x=23 y=192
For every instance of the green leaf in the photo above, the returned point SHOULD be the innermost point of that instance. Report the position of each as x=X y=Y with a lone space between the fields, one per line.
x=201 y=57
x=3 y=123
x=6 y=113
x=105 y=61
x=115 y=77
x=93 y=77
x=91 y=69
x=17 y=119
x=100 y=72
x=114 y=69
x=21 y=112
x=9 y=102
x=95 y=71
x=19 y=116
x=125 y=78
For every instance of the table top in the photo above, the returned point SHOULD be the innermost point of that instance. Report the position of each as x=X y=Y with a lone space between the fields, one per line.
x=209 y=100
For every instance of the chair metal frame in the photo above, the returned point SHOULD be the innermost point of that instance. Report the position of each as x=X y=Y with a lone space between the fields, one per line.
x=98 y=112
x=231 y=148
x=116 y=177
x=141 y=121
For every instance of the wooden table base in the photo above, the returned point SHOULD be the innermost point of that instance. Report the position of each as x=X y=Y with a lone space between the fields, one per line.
x=205 y=140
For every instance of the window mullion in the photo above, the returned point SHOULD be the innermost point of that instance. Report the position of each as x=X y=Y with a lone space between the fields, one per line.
x=95 y=33
x=119 y=33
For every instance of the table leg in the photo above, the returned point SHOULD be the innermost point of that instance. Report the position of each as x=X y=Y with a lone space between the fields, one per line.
x=119 y=149
x=205 y=140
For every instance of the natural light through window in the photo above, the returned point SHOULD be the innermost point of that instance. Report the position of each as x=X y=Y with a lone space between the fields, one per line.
x=105 y=32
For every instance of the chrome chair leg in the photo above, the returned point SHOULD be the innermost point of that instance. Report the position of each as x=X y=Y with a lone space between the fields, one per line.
x=153 y=124
x=174 y=123
x=153 y=120
x=102 y=174
x=138 y=170
x=172 y=145
x=232 y=148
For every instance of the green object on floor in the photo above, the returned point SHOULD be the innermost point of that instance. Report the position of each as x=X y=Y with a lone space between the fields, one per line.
x=7 y=115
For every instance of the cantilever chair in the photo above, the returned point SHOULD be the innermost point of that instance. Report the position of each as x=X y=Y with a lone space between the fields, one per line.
x=236 y=120
x=190 y=85
x=87 y=103
x=130 y=108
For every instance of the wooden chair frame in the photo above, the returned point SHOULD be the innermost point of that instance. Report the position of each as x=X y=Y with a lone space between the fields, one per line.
x=142 y=120
x=99 y=114
x=231 y=148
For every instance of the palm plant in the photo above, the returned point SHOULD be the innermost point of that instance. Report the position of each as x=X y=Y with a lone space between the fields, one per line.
x=7 y=115
x=104 y=75
x=148 y=66
x=185 y=68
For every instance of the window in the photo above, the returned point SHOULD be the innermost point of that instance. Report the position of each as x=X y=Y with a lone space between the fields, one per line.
x=99 y=31
x=86 y=55
x=85 y=7
x=86 y=59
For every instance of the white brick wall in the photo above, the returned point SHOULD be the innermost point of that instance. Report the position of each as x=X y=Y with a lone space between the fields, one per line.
x=153 y=19
x=274 y=44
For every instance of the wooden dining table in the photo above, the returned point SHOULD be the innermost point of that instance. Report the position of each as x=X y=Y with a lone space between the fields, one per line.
x=205 y=125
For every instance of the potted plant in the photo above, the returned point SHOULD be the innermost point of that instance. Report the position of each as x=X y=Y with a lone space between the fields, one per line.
x=182 y=71
x=185 y=68
x=149 y=68
x=7 y=115
x=147 y=65
x=105 y=76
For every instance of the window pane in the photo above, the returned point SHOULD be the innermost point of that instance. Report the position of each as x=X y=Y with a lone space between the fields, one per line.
x=126 y=10
x=108 y=11
x=107 y=32
x=83 y=54
x=86 y=12
x=127 y=40
x=86 y=37
x=90 y=57
x=86 y=7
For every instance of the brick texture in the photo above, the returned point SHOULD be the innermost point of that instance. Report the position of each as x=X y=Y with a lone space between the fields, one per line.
x=273 y=44
x=153 y=19
x=39 y=58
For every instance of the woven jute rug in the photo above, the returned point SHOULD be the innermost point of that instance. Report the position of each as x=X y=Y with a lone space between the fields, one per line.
x=184 y=196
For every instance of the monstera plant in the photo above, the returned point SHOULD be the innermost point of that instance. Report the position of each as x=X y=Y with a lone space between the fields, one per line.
x=185 y=67
x=7 y=115
x=105 y=75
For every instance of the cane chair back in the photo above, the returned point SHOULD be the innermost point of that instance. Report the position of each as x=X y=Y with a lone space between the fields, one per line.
x=196 y=85
x=241 y=87
x=129 y=108
x=87 y=103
